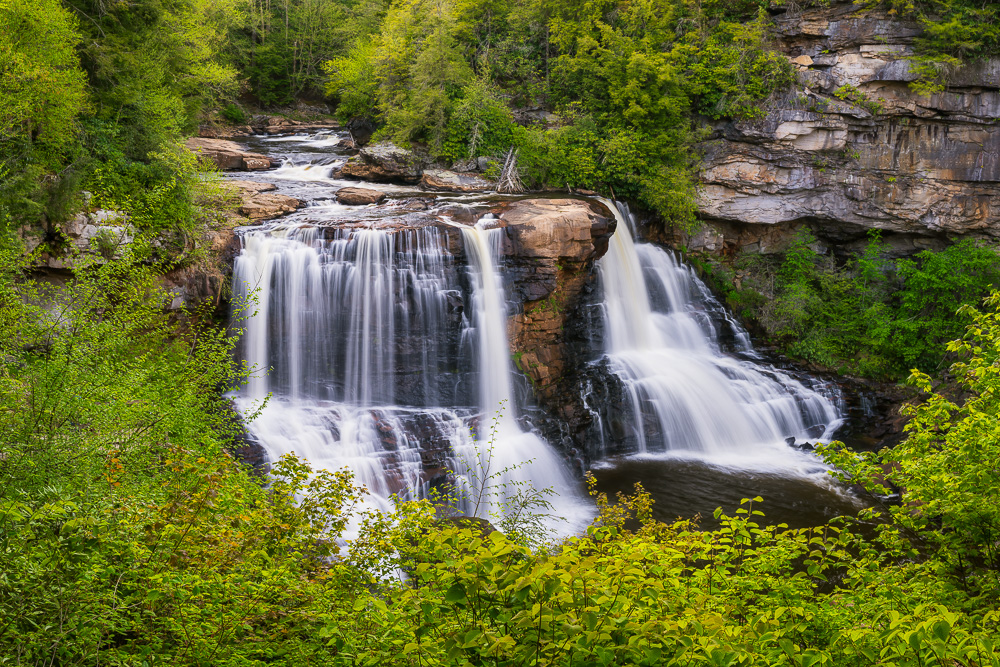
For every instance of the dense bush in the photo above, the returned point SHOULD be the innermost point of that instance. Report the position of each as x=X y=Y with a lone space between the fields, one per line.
x=97 y=95
x=870 y=316
x=955 y=32
x=622 y=77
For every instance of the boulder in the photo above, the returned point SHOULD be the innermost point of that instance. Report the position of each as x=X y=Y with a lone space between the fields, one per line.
x=563 y=229
x=384 y=163
x=227 y=155
x=260 y=202
x=450 y=181
x=102 y=233
x=359 y=196
x=553 y=246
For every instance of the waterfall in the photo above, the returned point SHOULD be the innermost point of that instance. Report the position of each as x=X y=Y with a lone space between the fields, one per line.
x=336 y=330
x=505 y=462
x=372 y=362
x=687 y=396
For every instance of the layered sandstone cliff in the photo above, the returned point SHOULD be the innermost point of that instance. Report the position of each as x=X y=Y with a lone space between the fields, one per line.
x=852 y=148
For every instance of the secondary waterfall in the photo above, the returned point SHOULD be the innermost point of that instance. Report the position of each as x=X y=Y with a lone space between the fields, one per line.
x=373 y=363
x=510 y=462
x=686 y=396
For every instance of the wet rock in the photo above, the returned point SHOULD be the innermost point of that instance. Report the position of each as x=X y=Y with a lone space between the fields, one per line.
x=278 y=125
x=553 y=245
x=450 y=181
x=213 y=131
x=359 y=196
x=384 y=163
x=227 y=155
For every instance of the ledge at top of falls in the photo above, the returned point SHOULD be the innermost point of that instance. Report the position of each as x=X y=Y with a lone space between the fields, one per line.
x=385 y=162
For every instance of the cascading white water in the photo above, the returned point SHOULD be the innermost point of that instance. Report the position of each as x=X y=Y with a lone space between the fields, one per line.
x=686 y=395
x=354 y=339
x=322 y=333
x=505 y=462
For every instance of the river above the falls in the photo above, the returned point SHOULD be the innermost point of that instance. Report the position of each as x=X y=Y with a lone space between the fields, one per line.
x=382 y=341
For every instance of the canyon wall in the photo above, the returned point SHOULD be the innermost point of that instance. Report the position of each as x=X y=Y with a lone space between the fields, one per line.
x=852 y=148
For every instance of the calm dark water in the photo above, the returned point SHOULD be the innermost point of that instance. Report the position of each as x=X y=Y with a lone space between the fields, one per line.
x=688 y=488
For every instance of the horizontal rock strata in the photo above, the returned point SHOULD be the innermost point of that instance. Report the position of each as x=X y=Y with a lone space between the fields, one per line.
x=852 y=148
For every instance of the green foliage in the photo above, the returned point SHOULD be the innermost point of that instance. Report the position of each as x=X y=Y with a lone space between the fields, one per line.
x=851 y=94
x=42 y=87
x=352 y=81
x=129 y=536
x=946 y=467
x=281 y=48
x=97 y=95
x=955 y=32
x=870 y=316
x=481 y=124
x=234 y=114
x=42 y=91
x=735 y=70
x=621 y=77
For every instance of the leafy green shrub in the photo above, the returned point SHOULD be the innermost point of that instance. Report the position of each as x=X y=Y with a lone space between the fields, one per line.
x=735 y=70
x=871 y=316
x=955 y=32
x=234 y=114
x=481 y=124
x=352 y=81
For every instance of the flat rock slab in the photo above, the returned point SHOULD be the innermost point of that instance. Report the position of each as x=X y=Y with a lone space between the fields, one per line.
x=258 y=201
x=451 y=181
x=359 y=196
x=227 y=155
x=557 y=228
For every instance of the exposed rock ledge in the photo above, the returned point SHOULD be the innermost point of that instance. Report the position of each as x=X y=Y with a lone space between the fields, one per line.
x=555 y=243
x=228 y=155
x=359 y=196
x=262 y=124
x=450 y=181
x=922 y=168
x=260 y=202
x=384 y=163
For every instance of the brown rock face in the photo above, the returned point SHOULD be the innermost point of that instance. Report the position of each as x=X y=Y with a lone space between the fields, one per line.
x=845 y=160
x=359 y=196
x=450 y=181
x=227 y=155
x=555 y=243
x=259 y=202
x=384 y=163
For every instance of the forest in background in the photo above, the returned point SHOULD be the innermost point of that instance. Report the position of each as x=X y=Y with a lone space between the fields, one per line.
x=130 y=536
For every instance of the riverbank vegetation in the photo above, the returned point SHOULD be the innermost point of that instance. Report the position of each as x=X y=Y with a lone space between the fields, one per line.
x=129 y=535
x=869 y=315
x=598 y=96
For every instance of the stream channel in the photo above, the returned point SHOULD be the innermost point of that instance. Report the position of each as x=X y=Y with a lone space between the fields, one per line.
x=380 y=333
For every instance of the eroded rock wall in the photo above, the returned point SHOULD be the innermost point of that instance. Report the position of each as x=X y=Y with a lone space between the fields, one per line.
x=853 y=148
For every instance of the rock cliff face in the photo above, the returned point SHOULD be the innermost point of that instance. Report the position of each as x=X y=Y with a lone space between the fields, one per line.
x=554 y=244
x=852 y=148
